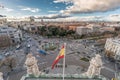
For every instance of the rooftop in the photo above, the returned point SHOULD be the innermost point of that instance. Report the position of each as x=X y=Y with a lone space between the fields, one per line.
x=2 y=29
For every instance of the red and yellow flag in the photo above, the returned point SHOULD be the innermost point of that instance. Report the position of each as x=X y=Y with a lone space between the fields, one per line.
x=60 y=55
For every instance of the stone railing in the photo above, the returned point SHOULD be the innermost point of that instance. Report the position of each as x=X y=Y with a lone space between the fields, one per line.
x=59 y=77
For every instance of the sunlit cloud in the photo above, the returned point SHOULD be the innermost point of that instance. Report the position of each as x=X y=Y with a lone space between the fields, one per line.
x=88 y=6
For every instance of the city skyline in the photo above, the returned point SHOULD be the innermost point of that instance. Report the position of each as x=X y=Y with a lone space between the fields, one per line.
x=80 y=10
x=59 y=39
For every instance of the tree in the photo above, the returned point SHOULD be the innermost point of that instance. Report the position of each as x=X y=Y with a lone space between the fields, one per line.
x=42 y=30
x=55 y=31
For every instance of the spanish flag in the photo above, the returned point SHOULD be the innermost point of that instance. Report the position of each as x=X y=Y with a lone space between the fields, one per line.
x=60 y=56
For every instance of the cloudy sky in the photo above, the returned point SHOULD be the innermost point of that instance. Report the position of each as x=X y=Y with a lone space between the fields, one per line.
x=63 y=9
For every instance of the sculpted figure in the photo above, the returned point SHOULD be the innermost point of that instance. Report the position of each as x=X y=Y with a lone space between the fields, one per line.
x=1 y=76
x=31 y=64
x=95 y=66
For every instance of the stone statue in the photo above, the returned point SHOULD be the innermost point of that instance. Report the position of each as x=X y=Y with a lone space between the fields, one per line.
x=1 y=76
x=31 y=64
x=95 y=66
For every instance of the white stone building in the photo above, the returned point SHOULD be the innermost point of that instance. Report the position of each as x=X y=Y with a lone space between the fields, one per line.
x=81 y=30
x=93 y=27
x=112 y=48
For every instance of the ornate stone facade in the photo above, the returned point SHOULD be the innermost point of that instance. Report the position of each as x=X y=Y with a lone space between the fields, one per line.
x=112 y=48
x=32 y=67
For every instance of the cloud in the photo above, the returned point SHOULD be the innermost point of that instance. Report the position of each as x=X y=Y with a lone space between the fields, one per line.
x=52 y=16
x=56 y=7
x=61 y=17
x=8 y=9
x=34 y=10
x=88 y=6
x=80 y=18
x=2 y=7
x=113 y=17
x=52 y=11
x=68 y=19
x=74 y=18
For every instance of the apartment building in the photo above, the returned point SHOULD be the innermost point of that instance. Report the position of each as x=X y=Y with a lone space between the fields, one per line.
x=14 y=35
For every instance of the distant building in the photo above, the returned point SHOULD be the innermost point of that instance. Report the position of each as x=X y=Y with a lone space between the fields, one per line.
x=3 y=21
x=93 y=28
x=110 y=29
x=117 y=28
x=72 y=28
x=112 y=48
x=42 y=22
x=81 y=30
x=14 y=35
x=33 y=29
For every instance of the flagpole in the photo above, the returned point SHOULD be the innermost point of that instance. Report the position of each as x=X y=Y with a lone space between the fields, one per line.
x=64 y=63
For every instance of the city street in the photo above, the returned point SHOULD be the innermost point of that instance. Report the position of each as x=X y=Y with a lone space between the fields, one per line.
x=36 y=34
x=46 y=61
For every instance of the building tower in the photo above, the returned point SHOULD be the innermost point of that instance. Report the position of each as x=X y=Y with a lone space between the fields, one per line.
x=42 y=22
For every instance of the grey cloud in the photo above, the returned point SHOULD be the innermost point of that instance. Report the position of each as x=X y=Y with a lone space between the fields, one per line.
x=2 y=16
x=52 y=16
